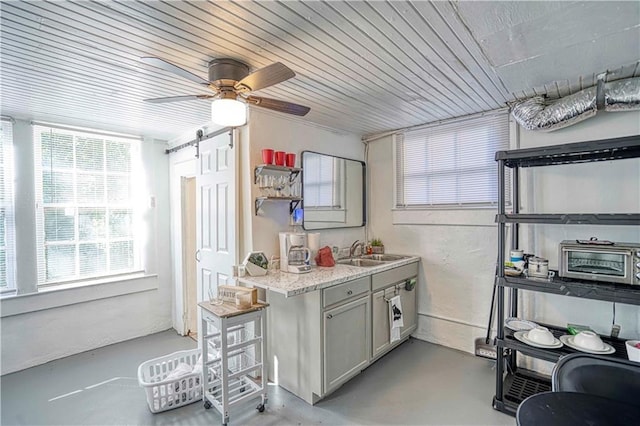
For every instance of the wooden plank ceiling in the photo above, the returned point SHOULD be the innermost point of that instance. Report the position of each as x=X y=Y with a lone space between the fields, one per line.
x=362 y=67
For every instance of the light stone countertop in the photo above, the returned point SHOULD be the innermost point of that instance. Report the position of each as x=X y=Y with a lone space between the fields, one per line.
x=320 y=277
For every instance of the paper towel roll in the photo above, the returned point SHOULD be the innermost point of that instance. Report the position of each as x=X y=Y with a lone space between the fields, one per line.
x=313 y=242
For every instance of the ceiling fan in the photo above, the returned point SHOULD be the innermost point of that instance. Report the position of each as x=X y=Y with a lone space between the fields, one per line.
x=232 y=84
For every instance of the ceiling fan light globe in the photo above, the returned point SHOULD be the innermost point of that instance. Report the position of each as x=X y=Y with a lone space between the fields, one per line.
x=228 y=112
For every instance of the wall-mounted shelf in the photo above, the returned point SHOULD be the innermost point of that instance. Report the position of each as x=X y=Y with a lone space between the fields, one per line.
x=294 y=202
x=293 y=171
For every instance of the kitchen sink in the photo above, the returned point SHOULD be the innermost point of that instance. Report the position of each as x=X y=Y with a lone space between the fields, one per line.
x=365 y=263
x=383 y=257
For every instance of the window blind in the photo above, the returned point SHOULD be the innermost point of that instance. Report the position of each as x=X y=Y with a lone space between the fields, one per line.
x=451 y=164
x=7 y=226
x=86 y=204
x=323 y=182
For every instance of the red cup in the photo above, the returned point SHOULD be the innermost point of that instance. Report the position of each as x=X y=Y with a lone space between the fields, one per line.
x=280 y=158
x=290 y=159
x=267 y=156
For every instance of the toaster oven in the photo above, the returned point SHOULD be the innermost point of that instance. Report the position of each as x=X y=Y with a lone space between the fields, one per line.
x=600 y=261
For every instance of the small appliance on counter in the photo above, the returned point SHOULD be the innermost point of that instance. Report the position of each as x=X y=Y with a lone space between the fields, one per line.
x=600 y=261
x=294 y=253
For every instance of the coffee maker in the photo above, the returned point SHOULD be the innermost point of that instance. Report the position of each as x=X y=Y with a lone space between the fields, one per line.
x=294 y=253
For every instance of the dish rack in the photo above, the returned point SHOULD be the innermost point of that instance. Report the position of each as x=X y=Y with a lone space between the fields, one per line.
x=233 y=342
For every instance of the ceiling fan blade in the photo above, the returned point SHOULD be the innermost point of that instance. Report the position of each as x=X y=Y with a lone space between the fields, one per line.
x=168 y=66
x=178 y=98
x=276 y=105
x=265 y=77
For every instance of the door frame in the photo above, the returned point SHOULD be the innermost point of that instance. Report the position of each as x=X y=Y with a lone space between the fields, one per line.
x=188 y=256
x=182 y=164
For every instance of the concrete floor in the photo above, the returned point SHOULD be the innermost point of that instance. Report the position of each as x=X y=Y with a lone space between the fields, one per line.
x=418 y=383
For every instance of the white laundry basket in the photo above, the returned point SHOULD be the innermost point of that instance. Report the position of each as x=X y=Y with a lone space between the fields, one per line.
x=164 y=394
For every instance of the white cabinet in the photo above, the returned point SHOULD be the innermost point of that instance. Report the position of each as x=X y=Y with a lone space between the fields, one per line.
x=399 y=281
x=410 y=309
x=380 y=323
x=346 y=341
x=318 y=340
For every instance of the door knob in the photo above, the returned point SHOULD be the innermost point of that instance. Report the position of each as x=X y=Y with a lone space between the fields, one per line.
x=197 y=255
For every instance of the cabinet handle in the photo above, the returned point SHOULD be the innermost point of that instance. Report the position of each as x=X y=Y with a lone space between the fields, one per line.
x=349 y=292
x=329 y=316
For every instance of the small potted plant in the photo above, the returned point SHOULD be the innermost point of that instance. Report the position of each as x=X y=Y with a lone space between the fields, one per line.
x=376 y=246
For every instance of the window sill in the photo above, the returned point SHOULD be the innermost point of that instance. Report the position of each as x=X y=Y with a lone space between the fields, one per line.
x=64 y=295
x=446 y=217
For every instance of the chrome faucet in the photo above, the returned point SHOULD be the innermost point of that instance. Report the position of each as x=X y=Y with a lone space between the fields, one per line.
x=354 y=246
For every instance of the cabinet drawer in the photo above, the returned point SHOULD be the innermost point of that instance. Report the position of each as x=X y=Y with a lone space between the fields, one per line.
x=344 y=291
x=392 y=276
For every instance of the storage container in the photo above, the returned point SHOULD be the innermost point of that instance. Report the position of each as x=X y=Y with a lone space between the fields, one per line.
x=164 y=394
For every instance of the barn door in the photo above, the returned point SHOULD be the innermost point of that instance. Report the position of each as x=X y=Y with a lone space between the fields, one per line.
x=215 y=214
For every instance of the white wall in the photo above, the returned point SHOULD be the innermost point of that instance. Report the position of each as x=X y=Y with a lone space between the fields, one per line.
x=269 y=130
x=458 y=261
x=36 y=337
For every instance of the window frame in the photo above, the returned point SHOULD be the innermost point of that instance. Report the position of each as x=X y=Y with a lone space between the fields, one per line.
x=9 y=208
x=77 y=206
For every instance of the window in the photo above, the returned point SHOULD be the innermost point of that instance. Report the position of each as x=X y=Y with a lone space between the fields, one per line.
x=86 y=204
x=7 y=229
x=451 y=164
x=323 y=181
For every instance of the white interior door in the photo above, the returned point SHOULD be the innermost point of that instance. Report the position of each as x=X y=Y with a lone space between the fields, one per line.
x=215 y=215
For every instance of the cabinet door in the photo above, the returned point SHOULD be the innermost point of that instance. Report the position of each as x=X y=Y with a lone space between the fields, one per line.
x=380 y=321
x=346 y=341
x=409 y=315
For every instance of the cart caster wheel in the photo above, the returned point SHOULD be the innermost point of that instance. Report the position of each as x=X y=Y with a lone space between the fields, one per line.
x=207 y=405
x=260 y=408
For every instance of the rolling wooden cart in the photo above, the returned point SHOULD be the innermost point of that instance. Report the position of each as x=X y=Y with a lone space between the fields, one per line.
x=233 y=355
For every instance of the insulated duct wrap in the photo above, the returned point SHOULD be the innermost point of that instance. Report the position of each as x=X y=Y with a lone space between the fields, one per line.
x=622 y=95
x=535 y=114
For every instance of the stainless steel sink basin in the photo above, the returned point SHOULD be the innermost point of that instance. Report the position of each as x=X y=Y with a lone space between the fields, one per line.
x=365 y=263
x=384 y=257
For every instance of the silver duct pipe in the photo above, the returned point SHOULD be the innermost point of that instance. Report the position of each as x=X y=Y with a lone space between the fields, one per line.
x=622 y=95
x=535 y=114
